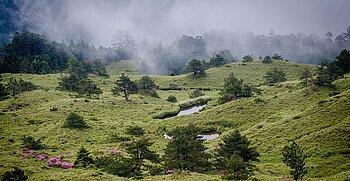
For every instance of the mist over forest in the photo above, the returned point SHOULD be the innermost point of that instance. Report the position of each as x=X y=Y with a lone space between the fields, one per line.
x=163 y=35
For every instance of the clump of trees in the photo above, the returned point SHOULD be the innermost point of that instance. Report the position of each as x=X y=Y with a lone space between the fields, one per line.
x=275 y=75
x=328 y=72
x=217 y=60
x=140 y=157
x=195 y=67
x=294 y=157
x=234 y=88
x=147 y=86
x=15 y=86
x=33 y=53
x=77 y=80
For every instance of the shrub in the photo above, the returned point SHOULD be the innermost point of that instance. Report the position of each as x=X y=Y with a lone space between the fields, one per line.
x=83 y=158
x=14 y=175
x=115 y=164
x=135 y=130
x=74 y=120
x=267 y=59
x=196 y=93
x=247 y=58
x=32 y=144
x=171 y=98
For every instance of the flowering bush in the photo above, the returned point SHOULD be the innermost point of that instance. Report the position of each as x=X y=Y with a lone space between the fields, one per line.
x=54 y=162
x=60 y=157
x=42 y=157
x=67 y=165
x=114 y=151
x=171 y=171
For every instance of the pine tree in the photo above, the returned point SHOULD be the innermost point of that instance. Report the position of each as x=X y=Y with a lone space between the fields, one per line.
x=275 y=75
x=139 y=152
x=83 y=158
x=195 y=66
x=124 y=85
x=235 y=155
x=186 y=150
x=294 y=157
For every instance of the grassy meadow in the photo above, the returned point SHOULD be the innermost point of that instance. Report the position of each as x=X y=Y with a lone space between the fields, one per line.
x=317 y=119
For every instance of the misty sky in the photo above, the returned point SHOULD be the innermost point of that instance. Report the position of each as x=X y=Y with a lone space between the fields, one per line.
x=98 y=20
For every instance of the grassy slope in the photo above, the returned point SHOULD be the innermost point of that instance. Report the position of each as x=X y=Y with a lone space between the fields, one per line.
x=318 y=122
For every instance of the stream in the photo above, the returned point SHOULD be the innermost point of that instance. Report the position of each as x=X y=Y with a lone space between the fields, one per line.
x=205 y=137
x=191 y=110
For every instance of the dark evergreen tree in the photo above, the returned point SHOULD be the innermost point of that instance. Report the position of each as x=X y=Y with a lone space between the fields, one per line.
x=139 y=152
x=83 y=158
x=235 y=156
x=277 y=56
x=274 y=76
x=267 y=59
x=217 y=60
x=234 y=88
x=147 y=86
x=294 y=157
x=305 y=77
x=247 y=58
x=195 y=66
x=343 y=61
x=227 y=55
x=186 y=150
x=126 y=86
x=89 y=88
x=15 y=86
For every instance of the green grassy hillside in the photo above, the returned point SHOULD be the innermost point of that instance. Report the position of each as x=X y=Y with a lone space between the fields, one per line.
x=319 y=120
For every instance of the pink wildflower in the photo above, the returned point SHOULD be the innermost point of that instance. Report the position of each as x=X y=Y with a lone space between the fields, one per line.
x=170 y=171
x=42 y=157
x=24 y=149
x=114 y=151
x=67 y=165
x=60 y=157
x=32 y=152
x=19 y=153
x=222 y=172
x=53 y=162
